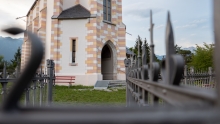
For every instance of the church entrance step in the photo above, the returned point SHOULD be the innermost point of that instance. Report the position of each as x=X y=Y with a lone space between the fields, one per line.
x=117 y=83
x=101 y=84
x=104 y=84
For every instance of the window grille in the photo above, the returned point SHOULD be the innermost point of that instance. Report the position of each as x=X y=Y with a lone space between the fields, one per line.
x=107 y=8
x=73 y=51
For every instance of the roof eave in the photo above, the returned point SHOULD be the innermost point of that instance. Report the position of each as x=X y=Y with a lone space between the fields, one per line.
x=32 y=7
x=86 y=17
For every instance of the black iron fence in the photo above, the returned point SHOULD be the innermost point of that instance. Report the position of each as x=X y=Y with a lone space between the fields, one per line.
x=38 y=93
x=144 y=87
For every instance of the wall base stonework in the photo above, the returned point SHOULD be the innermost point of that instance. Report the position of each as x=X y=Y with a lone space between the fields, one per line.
x=121 y=77
x=85 y=80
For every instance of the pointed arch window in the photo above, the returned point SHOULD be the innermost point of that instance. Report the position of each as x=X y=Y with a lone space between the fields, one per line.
x=107 y=10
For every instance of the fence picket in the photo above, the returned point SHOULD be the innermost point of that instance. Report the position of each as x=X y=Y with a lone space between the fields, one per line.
x=35 y=94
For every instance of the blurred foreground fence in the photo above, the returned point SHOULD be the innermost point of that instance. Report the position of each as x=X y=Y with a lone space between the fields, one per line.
x=195 y=105
x=177 y=86
x=40 y=90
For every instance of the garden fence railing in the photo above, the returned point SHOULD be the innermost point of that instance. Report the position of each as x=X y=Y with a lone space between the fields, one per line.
x=199 y=78
x=38 y=93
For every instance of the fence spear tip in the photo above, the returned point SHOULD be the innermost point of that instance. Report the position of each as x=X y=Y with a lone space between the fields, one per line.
x=168 y=16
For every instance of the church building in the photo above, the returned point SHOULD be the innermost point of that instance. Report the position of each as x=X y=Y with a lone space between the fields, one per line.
x=85 y=38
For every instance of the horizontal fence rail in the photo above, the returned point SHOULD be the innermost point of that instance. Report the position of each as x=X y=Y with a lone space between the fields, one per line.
x=146 y=92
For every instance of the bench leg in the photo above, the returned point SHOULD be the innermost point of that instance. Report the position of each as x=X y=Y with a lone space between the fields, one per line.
x=70 y=84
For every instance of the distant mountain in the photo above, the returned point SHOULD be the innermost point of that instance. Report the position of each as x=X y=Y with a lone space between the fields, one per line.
x=160 y=57
x=9 y=46
x=192 y=49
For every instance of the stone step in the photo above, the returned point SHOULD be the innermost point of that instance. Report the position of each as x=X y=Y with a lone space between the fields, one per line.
x=101 y=84
x=117 y=83
x=104 y=84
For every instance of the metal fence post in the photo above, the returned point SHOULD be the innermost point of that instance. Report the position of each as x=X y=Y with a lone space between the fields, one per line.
x=4 y=84
x=41 y=86
x=210 y=77
x=185 y=75
x=192 y=75
x=127 y=63
x=50 y=68
x=17 y=69
x=27 y=98
x=144 y=72
x=16 y=72
x=127 y=97
x=34 y=90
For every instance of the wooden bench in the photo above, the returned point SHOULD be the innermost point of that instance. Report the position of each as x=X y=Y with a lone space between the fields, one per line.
x=208 y=85
x=65 y=79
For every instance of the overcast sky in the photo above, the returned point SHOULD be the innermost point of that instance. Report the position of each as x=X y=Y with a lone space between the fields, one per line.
x=191 y=19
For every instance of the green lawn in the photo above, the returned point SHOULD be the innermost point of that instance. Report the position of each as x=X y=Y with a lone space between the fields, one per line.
x=80 y=95
x=86 y=95
x=8 y=86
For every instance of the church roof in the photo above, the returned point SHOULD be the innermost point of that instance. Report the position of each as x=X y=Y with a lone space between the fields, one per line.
x=75 y=12
x=32 y=7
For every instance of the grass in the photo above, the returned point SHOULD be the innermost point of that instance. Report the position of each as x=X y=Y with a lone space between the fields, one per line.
x=80 y=95
x=8 y=86
x=86 y=95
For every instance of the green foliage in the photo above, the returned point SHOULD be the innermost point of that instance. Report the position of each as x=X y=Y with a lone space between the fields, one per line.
x=203 y=57
x=136 y=45
x=135 y=49
x=177 y=48
x=187 y=54
x=14 y=62
x=1 y=62
x=17 y=60
x=148 y=51
x=8 y=86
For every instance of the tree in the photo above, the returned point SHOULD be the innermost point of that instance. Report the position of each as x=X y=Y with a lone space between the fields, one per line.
x=177 y=48
x=187 y=54
x=16 y=60
x=148 y=50
x=136 y=45
x=135 y=49
x=1 y=62
x=203 y=57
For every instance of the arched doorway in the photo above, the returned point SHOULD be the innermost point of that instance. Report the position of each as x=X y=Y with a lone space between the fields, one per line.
x=107 y=63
